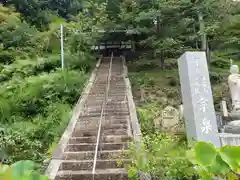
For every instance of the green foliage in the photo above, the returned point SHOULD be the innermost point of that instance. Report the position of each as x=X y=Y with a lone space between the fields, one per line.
x=36 y=97
x=220 y=63
x=215 y=77
x=162 y=156
x=6 y=57
x=28 y=97
x=21 y=170
x=146 y=116
x=80 y=60
x=173 y=82
x=29 y=139
x=215 y=162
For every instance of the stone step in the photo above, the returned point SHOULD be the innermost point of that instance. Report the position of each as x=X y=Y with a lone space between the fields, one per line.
x=91 y=147
x=106 y=139
x=117 y=87
x=106 y=113
x=89 y=155
x=95 y=100
x=94 y=132
x=107 y=174
x=90 y=94
x=108 y=117
x=94 y=125
x=109 y=105
x=110 y=110
x=116 y=100
x=88 y=164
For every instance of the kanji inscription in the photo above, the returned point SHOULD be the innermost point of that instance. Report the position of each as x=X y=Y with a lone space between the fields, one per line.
x=199 y=113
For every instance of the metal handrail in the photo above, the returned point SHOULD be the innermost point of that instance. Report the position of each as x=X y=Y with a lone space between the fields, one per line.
x=108 y=87
x=101 y=117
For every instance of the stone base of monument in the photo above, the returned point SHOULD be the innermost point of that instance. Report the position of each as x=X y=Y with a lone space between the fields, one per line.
x=232 y=127
x=229 y=115
x=229 y=139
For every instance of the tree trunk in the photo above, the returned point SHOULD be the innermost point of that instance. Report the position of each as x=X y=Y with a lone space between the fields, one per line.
x=202 y=31
x=196 y=40
x=142 y=94
x=133 y=44
x=162 y=59
x=159 y=36
x=208 y=53
x=158 y=26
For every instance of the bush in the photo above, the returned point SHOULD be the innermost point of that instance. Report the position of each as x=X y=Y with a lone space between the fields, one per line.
x=81 y=60
x=21 y=170
x=215 y=77
x=31 y=139
x=6 y=57
x=173 y=82
x=162 y=156
x=47 y=64
x=146 y=67
x=220 y=63
x=3 y=77
x=27 y=97
x=146 y=117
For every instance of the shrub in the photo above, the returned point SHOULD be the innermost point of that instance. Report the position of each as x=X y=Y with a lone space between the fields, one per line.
x=162 y=156
x=27 y=97
x=146 y=67
x=7 y=70
x=3 y=77
x=81 y=60
x=6 y=57
x=220 y=63
x=215 y=77
x=25 y=170
x=47 y=64
x=30 y=139
x=146 y=117
x=172 y=82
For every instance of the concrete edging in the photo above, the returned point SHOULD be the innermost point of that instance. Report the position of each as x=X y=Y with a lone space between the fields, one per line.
x=131 y=105
x=55 y=163
x=136 y=129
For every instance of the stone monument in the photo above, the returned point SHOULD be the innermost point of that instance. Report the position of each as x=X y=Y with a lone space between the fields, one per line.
x=198 y=111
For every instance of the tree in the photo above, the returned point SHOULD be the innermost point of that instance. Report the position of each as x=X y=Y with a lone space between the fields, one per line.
x=13 y=31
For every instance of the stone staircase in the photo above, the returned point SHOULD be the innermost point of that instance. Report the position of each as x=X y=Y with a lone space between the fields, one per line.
x=99 y=138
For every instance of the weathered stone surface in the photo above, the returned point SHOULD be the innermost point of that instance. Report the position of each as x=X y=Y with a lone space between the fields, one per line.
x=229 y=139
x=232 y=127
x=234 y=123
x=170 y=120
x=199 y=113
